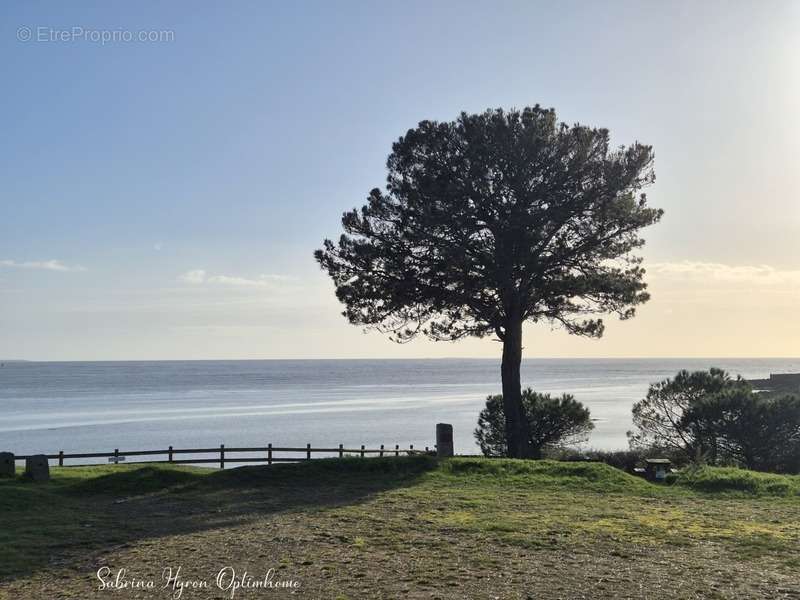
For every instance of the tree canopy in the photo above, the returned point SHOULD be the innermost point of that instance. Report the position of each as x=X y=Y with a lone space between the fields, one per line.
x=494 y=215
x=708 y=416
x=492 y=220
x=662 y=418
x=752 y=430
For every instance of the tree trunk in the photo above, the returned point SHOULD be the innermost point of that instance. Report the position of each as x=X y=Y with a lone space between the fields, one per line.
x=516 y=423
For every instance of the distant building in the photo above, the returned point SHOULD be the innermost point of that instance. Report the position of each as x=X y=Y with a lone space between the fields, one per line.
x=777 y=382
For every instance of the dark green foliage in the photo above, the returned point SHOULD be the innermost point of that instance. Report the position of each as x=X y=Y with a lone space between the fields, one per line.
x=761 y=433
x=493 y=220
x=550 y=421
x=491 y=214
x=707 y=416
x=660 y=418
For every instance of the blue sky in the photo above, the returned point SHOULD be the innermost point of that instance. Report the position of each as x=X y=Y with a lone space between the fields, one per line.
x=181 y=185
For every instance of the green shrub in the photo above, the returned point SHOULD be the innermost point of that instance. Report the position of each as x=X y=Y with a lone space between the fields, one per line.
x=551 y=422
x=709 y=417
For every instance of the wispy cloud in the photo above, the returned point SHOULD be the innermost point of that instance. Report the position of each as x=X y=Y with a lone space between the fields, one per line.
x=193 y=276
x=47 y=265
x=199 y=276
x=751 y=275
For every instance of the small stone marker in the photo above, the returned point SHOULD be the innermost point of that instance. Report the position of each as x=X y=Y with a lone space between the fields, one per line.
x=37 y=468
x=444 y=440
x=656 y=469
x=7 y=465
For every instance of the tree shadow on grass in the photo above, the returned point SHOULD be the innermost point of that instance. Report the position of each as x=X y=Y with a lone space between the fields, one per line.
x=71 y=519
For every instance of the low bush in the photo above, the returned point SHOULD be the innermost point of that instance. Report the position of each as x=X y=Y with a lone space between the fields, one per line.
x=551 y=422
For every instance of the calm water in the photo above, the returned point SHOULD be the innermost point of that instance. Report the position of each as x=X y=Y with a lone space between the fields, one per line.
x=97 y=406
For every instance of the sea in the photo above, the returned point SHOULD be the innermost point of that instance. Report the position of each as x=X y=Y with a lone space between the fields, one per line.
x=83 y=407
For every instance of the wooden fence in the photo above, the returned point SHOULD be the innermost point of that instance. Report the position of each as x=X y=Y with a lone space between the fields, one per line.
x=222 y=454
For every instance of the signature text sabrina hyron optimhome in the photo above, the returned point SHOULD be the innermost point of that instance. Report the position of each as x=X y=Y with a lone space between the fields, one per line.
x=226 y=579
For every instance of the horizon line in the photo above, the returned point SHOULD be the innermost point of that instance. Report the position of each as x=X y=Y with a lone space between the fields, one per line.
x=372 y=358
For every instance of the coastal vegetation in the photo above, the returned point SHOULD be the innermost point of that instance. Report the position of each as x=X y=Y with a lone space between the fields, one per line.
x=710 y=417
x=390 y=527
x=491 y=221
x=700 y=417
x=551 y=422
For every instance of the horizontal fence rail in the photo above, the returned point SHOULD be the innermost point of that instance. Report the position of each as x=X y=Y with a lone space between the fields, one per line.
x=266 y=454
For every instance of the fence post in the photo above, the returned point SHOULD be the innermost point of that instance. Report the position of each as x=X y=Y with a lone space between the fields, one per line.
x=341 y=450
x=411 y=449
x=170 y=454
x=444 y=440
x=308 y=451
x=116 y=456
x=362 y=450
x=8 y=465
x=381 y=454
x=222 y=456
x=60 y=458
x=397 y=449
x=269 y=454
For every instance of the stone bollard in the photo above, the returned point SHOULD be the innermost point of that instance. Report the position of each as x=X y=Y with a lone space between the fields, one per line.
x=7 y=464
x=37 y=468
x=444 y=440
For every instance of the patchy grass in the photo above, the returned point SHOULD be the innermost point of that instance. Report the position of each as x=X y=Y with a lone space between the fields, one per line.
x=718 y=480
x=412 y=527
x=596 y=477
x=39 y=521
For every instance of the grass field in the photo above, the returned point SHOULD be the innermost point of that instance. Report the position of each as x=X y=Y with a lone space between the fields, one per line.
x=403 y=528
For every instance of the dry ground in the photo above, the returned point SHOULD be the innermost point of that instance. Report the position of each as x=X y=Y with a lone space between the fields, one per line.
x=399 y=528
